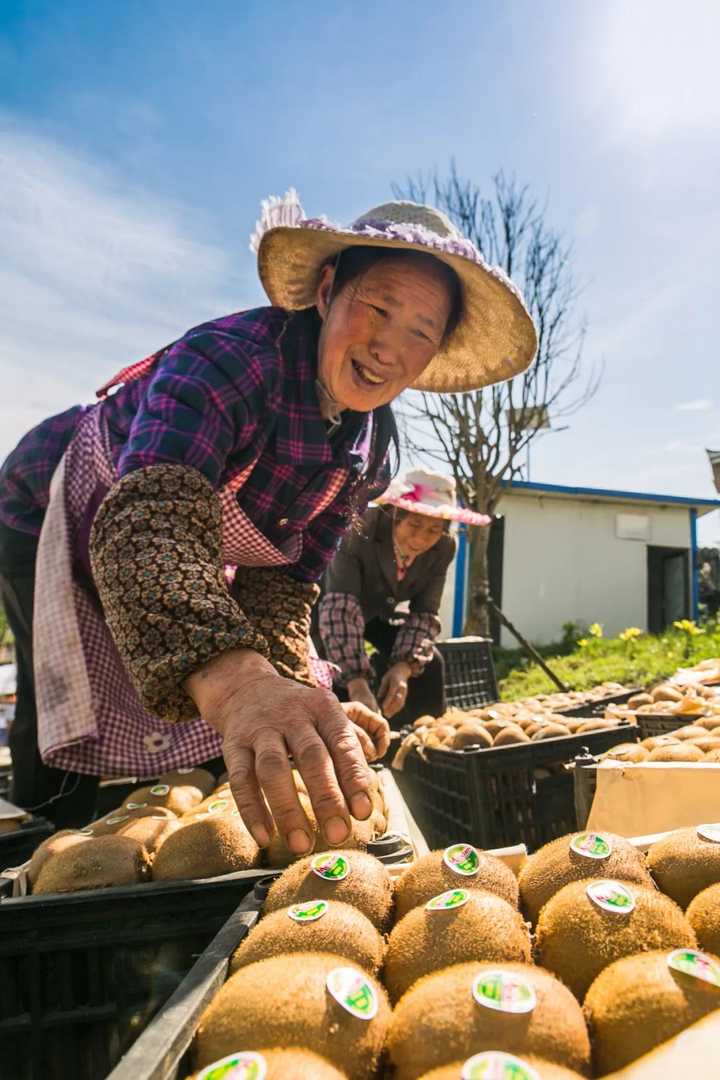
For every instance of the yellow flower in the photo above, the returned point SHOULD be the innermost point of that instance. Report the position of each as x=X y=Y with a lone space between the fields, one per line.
x=595 y=629
x=688 y=627
x=583 y=642
x=631 y=633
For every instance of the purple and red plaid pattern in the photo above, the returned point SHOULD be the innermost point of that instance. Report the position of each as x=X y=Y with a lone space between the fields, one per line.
x=415 y=640
x=234 y=391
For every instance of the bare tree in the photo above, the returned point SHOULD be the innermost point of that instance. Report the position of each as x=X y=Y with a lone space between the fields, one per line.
x=482 y=435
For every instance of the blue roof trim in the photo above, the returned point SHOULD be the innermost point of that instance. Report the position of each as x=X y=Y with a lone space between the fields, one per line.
x=607 y=493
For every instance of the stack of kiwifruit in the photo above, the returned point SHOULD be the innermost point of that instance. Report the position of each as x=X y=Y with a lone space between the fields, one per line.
x=184 y=826
x=699 y=741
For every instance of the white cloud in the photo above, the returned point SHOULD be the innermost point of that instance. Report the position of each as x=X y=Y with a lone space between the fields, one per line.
x=698 y=405
x=93 y=276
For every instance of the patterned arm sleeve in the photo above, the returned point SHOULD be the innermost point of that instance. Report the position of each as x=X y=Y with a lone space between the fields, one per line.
x=415 y=640
x=342 y=629
x=279 y=608
x=155 y=550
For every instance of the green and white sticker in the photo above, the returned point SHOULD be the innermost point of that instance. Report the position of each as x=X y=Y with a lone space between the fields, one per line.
x=184 y=772
x=117 y=819
x=448 y=901
x=217 y=806
x=87 y=830
x=135 y=805
x=330 y=866
x=504 y=991
x=710 y=832
x=495 y=1065
x=591 y=845
x=696 y=964
x=160 y=789
x=462 y=859
x=308 y=911
x=353 y=990
x=246 y=1065
x=611 y=896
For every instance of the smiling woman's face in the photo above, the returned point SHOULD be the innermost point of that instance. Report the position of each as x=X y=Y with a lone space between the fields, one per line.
x=381 y=332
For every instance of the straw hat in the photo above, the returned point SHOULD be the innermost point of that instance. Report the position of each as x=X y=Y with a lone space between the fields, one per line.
x=495 y=338
x=430 y=493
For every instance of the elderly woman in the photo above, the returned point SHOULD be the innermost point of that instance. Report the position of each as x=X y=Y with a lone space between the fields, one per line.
x=400 y=554
x=245 y=449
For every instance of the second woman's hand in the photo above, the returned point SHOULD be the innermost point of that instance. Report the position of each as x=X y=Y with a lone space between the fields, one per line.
x=263 y=718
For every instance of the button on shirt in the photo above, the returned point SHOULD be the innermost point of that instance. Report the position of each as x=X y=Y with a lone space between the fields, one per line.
x=232 y=391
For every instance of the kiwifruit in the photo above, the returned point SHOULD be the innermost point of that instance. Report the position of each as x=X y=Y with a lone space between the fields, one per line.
x=65 y=838
x=597 y=724
x=680 y=752
x=550 y=731
x=292 y=1064
x=362 y=833
x=576 y=938
x=431 y=875
x=484 y=928
x=206 y=847
x=471 y=735
x=439 y=1019
x=707 y=742
x=151 y=831
x=665 y=693
x=179 y=799
x=713 y=756
x=509 y=735
x=285 y=1001
x=690 y=731
x=703 y=914
x=631 y=752
x=639 y=699
x=496 y=1060
x=494 y=727
x=219 y=802
x=684 y=863
x=114 y=821
x=367 y=885
x=659 y=740
x=203 y=780
x=640 y=1001
x=101 y=862
x=333 y=927
x=710 y=723
x=423 y=721
x=557 y=864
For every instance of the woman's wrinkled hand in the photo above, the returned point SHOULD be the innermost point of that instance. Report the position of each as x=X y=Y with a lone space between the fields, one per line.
x=393 y=688
x=372 y=728
x=263 y=718
x=359 y=690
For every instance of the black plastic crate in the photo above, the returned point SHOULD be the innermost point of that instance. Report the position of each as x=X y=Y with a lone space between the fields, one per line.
x=507 y=795
x=81 y=974
x=651 y=725
x=597 y=708
x=17 y=847
x=469 y=672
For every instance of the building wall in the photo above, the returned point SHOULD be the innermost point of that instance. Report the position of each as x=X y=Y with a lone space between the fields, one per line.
x=564 y=563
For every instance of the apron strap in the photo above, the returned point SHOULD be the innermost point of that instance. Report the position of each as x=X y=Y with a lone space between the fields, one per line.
x=130 y=373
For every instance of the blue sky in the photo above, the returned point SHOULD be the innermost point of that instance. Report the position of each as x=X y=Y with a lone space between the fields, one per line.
x=138 y=137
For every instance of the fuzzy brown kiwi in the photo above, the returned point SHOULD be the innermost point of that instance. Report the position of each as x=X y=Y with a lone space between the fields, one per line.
x=342 y=930
x=683 y=864
x=219 y=802
x=681 y=752
x=631 y=752
x=367 y=886
x=284 y=1001
x=291 y=1064
x=509 y=735
x=713 y=756
x=65 y=838
x=206 y=847
x=639 y=1002
x=598 y=724
x=471 y=735
x=179 y=798
x=545 y=1070
x=659 y=740
x=576 y=939
x=151 y=831
x=710 y=723
x=707 y=742
x=484 y=928
x=690 y=731
x=277 y=853
x=203 y=780
x=101 y=862
x=114 y=821
x=430 y=875
x=703 y=914
x=557 y=864
x=550 y=731
x=440 y=1020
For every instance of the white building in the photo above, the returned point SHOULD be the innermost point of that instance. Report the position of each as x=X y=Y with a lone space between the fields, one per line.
x=562 y=554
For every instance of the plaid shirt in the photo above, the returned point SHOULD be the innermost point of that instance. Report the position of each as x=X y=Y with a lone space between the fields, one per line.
x=232 y=391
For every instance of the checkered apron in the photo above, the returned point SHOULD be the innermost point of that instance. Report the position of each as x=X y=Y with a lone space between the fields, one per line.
x=90 y=719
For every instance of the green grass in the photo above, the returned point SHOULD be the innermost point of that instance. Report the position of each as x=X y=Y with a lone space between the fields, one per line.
x=641 y=662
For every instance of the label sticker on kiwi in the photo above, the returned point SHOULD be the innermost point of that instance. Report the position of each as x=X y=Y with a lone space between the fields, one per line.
x=217 y=806
x=495 y=1065
x=611 y=896
x=330 y=867
x=184 y=772
x=697 y=964
x=160 y=789
x=462 y=859
x=448 y=901
x=591 y=845
x=309 y=911
x=353 y=990
x=135 y=805
x=242 y=1066
x=504 y=991
x=87 y=830
x=117 y=819
x=709 y=832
